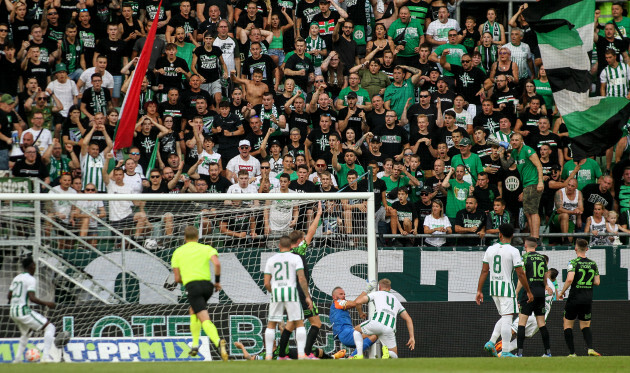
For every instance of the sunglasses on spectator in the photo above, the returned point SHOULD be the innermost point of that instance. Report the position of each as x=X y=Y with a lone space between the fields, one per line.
x=243 y=147
x=4 y=30
x=320 y=165
x=504 y=52
x=425 y=96
x=89 y=190
x=83 y=10
x=41 y=98
x=135 y=153
x=408 y=154
x=265 y=167
x=424 y=194
x=466 y=61
x=155 y=176
x=52 y=13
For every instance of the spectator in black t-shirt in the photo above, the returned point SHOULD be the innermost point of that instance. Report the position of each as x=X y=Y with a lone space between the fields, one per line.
x=170 y=69
x=600 y=192
x=208 y=63
x=393 y=137
x=470 y=220
x=424 y=205
x=251 y=19
x=95 y=99
x=404 y=217
x=113 y=48
x=185 y=20
x=31 y=166
x=299 y=66
x=485 y=192
x=487 y=118
x=263 y=62
x=344 y=44
x=145 y=138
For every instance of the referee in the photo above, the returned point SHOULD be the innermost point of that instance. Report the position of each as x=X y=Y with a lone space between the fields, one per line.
x=191 y=267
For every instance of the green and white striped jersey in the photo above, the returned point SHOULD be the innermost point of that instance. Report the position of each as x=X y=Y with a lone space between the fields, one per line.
x=283 y=267
x=21 y=285
x=502 y=259
x=387 y=308
x=617 y=80
x=92 y=169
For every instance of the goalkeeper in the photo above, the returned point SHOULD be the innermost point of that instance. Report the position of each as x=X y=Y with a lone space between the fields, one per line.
x=342 y=323
x=299 y=244
x=190 y=264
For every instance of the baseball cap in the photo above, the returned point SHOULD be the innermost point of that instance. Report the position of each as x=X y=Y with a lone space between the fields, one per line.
x=426 y=189
x=351 y=94
x=7 y=99
x=274 y=142
x=556 y=167
x=465 y=141
x=244 y=143
x=324 y=1
x=375 y=139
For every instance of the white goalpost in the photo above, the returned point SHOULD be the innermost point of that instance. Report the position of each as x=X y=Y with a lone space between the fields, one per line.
x=113 y=278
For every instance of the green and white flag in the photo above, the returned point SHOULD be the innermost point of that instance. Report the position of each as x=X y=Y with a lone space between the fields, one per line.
x=565 y=36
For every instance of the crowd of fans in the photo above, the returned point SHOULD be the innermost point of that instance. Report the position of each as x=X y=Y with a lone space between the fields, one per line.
x=457 y=122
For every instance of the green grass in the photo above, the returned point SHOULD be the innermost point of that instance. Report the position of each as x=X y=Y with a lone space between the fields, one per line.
x=556 y=364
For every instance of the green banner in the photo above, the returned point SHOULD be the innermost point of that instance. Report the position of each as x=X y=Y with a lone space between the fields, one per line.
x=15 y=185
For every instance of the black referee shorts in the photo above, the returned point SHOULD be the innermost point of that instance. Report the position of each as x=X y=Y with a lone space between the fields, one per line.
x=537 y=307
x=581 y=311
x=308 y=313
x=198 y=294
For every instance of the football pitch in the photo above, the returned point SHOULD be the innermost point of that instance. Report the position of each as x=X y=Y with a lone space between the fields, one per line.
x=555 y=364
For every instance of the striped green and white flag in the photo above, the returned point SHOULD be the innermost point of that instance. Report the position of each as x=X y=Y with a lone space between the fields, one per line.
x=565 y=36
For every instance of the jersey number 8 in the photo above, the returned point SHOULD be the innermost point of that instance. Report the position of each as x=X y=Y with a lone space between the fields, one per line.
x=497 y=264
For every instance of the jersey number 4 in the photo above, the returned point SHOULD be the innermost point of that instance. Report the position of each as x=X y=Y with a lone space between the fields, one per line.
x=278 y=266
x=588 y=282
x=390 y=302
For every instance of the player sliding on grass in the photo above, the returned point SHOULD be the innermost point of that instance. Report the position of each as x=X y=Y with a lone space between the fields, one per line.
x=282 y=273
x=500 y=260
x=21 y=293
x=191 y=266
x=299 y=246
x=580 y=299
x=383 y=323
x=342 y=323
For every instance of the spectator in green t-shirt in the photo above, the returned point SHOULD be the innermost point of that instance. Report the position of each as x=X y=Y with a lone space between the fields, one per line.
x=470 y=161
x=342 y=169
x=398 y=93
x=530 y=168
x=456 y=190
x=354 y=85
x=588 y=174
x=451 y=50
x=413 y=37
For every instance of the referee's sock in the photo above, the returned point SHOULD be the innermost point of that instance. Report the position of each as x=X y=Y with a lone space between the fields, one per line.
x=284 y=342
x=520 y=338
x=310 y=339
x=211 y=332
x=568 y=338
x=588 y=337
x=195 y=329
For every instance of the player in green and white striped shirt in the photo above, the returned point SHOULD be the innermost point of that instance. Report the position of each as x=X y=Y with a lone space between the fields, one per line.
x=615 y=77
x=93 y=161
x=383 y=322
x=500 y=261
x=21 y=294
x=282 y=273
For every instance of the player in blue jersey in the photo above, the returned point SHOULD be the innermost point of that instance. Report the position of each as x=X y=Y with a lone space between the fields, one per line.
x=342 y=323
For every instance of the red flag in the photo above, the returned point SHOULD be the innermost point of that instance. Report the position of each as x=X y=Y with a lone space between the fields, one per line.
x=129 y=108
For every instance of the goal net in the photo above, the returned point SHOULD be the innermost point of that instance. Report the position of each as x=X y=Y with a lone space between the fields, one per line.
x=105 y=259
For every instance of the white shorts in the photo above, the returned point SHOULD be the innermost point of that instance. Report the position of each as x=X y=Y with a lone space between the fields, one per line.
x=506 y=305
x=212 y=87
x=531 y=327
x=384 y=333
x=294 y=311
x=31 y=321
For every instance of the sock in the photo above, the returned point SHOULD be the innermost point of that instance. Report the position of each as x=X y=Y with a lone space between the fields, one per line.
x=588 y=337
x=19 y=356
x=195 y=329
x=284 y=342
x=496 y=333
x=544 y=333
x=506 y=332
x=367 y=343
x=568 y=338
x=49 y=337
x=392 y=355
x=270 y=335
x=358 y=342
x=520 y=338
x=310 y=340
x=211 y=332
x=300 y=337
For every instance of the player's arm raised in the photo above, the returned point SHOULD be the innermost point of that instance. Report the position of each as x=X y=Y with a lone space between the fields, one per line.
x=411 y=343
x=485 y=269
x=523 y=280
x=312 y=229
x=303 y=284
x=217 y=272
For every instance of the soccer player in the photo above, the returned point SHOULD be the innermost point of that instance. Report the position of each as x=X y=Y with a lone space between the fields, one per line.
x=580 y=298
x=537 y=276
x=21 y=293
x=383 y=323
x=282 y=272
x=342 y=323
x=299 y=246
x=191 y=266
x=505 y=259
